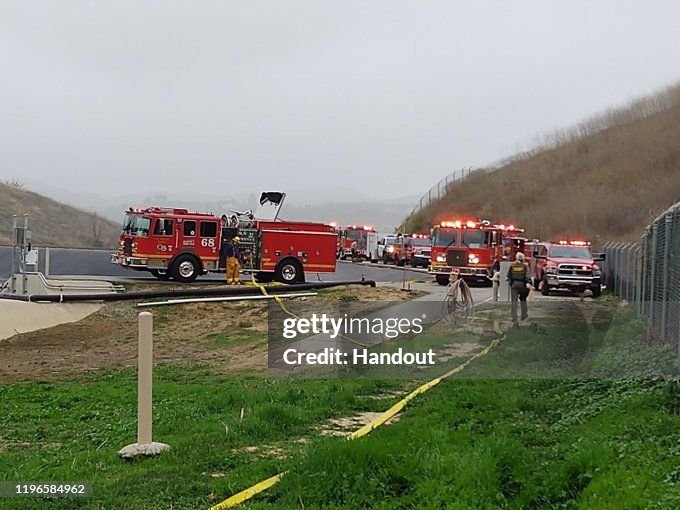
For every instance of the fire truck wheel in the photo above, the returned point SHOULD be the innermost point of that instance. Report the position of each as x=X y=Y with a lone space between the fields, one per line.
x=185 y=268
x=289 y=271
x=160 y=274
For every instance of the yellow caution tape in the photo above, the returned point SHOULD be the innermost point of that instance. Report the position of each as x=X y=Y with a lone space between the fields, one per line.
x=246 y=494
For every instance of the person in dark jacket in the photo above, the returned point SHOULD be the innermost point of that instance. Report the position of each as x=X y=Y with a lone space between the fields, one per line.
x=518 y=276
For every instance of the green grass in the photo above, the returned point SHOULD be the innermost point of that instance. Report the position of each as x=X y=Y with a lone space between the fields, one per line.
x=505 y=444
x=533 y=424
x=227 y=339
x=523 y=427
x=72 y=431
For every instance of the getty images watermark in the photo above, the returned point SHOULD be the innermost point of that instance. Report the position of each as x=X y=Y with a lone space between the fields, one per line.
x=348 y=328
x=364 y=339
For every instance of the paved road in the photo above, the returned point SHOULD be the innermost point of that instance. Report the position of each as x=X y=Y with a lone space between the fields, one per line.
x=65 y=261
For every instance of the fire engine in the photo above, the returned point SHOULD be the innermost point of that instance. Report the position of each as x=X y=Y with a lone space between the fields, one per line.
x=179 y=244
x=567 y=265
x=514 y=242
x=469 y=246
x=352 y=241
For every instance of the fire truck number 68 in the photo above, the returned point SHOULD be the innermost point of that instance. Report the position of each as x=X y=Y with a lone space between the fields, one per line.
x=208 y=242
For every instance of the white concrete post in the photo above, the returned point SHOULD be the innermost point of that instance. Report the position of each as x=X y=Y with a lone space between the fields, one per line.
x=504 y=284
x=144 y=444
x=47 y=262
x=145 y=378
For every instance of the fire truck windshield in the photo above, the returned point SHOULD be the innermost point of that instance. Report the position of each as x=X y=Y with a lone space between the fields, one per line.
x=136 y=225
x=355 y=235
x=570 y=252
x=444 y=237
x=419 y=241
x=473 y=238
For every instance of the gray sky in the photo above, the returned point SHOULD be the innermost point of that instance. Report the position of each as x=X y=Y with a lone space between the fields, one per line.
x=385 y=96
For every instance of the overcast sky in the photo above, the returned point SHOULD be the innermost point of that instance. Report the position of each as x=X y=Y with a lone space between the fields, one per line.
x=385 y=96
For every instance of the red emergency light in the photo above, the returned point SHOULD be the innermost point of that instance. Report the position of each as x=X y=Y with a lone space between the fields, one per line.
x=564 y=242
x=459 y=224
x=450 y=224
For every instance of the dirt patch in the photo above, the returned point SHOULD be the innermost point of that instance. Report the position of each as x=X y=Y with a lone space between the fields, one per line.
x=195 y=333
x=229 y=337
x=264 y=451
x=348 y=424
x=458 y=350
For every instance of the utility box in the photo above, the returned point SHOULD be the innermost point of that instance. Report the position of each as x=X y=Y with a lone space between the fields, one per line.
x=32 y=259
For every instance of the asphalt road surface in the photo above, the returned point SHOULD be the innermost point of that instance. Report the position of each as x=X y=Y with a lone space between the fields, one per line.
x=66 y=261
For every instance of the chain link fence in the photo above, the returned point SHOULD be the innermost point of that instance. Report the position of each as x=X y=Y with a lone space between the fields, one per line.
x=441 y=188
x=647 y=274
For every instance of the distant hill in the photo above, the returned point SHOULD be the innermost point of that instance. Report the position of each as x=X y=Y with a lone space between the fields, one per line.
x=345 y=206
x=53 y=223
x=604 y=179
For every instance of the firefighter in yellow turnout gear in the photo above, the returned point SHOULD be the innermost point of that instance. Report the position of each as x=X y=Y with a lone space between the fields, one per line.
x=518 y=276
x=233 y=265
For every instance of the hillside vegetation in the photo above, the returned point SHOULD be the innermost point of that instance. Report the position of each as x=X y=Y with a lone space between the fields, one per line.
x=53 y=223
x=605 y=179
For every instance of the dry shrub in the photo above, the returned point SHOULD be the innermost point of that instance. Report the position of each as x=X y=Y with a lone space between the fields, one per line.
x=604 y=179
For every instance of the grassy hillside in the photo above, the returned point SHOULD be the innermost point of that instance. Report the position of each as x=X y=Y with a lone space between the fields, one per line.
x=607 y=177
x=53 y=223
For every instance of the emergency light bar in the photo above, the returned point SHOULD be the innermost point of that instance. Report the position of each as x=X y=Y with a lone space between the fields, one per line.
x=451 y=224
x=459 y=224
x=513 y=228
x=564 y=242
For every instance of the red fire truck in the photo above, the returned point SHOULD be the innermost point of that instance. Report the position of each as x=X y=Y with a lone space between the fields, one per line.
x=514 y=242
x=469 y=246
x=352 y=241
x=179 y=244
x=567 y=265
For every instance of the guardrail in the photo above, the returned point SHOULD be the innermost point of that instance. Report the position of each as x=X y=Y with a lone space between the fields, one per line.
x=647 y=274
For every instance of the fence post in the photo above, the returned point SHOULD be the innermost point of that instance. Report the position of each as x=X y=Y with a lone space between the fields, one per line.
x=652 y=281
x=12 y=284
x=609 y=260
x=665 y=275
x=643 y=276
x=629 y=248
x=617 y=269
x=626 y=264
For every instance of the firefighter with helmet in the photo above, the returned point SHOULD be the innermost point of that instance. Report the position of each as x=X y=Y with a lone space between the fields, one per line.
x=518 y=276
x=233 y=266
